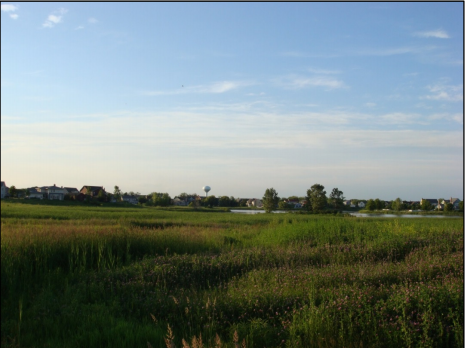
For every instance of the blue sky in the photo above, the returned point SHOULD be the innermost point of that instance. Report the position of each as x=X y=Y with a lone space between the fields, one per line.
x=169 y=97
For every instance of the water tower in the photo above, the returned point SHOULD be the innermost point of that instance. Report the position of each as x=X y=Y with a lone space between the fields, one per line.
x=206 y=190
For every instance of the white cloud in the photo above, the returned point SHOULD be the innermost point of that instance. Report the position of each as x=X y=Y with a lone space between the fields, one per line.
x=79 y=28
x=54 y=18
x=439 y=34
x=300 y=82
x=445 y=92
x=92 y=20
x=213 y=88
x=9 y=8
x=370 y=105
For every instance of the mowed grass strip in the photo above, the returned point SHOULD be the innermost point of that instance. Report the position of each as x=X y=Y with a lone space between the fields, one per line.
x=275 y=280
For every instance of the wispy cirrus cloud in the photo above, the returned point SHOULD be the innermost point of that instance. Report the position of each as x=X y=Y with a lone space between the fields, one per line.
x=92 y=20
x=213 y=88
x=445 y=92
x=10 y=8
x=300 y=82
x=439 y=34
x=54 y=18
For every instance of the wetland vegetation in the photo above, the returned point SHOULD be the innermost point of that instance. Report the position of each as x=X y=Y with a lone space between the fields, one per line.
x=90 y=276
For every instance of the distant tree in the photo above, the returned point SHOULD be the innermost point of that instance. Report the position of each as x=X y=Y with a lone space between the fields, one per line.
x=336 y=198
x=183 y=196
x=28 y=192
x=370 y=204
x=12 y=191
x=379 y=205
x=131 y=193
x=461 y=206
x=101 y=196
x=293 y=198
x=354 y=202
x=426 y=205
x=117 y=193
x=397 y=204
x=224 y=201
x=195 y=204
x=316 y=197
x=160 y=199
x=270 y=200
x=233 y=202
x=448 y=207
x=142 y=199
x=210 y=201
x=285 y=205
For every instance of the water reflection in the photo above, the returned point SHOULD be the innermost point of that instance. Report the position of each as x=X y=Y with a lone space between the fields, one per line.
x=357 y=214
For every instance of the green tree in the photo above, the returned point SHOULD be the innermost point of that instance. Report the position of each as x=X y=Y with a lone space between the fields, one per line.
x=354 y=202
x=397 y=204
x=224 y=201
x=316 y=197
x=426 y=205
x=210 y=201
x=370 y=204
x=336 y=198
x=101 y=196
x=12 y=191
x=461 y=206
x=448 y=207
x=117 y=193
x=379 y=205
x=270 y=200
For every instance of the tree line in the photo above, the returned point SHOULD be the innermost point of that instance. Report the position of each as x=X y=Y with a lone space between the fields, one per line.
x=315 y=200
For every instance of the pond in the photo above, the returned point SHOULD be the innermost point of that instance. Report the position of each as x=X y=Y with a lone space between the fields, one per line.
x=356 y=214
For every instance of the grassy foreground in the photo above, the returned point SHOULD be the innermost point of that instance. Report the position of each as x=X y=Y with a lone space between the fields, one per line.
x=76 y=276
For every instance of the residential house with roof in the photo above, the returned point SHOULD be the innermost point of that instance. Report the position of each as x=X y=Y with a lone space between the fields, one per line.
x=35 y=193
x=254 y=202
x=94 y=190
x=130 y=199
x=55 y=192
x=454 y=201
x=4 y=193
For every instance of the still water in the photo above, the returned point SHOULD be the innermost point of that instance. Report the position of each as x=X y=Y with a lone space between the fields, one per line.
x=357 y=214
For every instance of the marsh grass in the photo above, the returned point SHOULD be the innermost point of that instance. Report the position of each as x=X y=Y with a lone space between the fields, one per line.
x=90 y=276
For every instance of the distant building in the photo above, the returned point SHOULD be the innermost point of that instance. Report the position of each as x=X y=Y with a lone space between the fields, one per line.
x=4 y=190
x=129 y=199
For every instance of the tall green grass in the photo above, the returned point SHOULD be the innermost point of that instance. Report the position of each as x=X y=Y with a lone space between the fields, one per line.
x=91 y=276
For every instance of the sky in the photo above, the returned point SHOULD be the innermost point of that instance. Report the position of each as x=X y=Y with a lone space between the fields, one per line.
x=170 y=97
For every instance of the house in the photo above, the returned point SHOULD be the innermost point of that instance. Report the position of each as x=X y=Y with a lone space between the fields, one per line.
x=257 y=203
x=73 y=191
x=55 y=192
x=94 y=190
x=129 y=199
x=35 y=193
x=361 y=205
x=454 y=201
x=4 y=190
x=179 y=202
x=349 y=204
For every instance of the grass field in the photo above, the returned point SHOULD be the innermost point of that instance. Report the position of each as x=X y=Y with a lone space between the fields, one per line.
x=84 y=276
